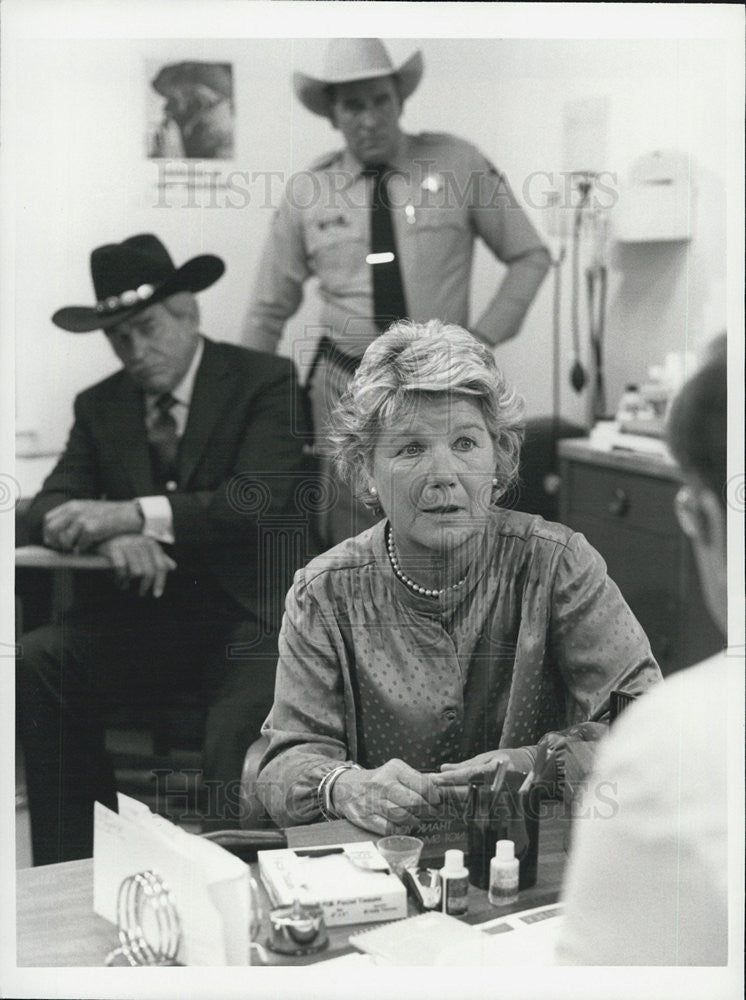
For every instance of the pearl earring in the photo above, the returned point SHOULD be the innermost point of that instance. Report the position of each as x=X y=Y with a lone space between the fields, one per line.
x=494 y=480
x=374 y=491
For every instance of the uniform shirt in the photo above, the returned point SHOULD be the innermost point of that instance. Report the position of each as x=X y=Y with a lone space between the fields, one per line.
x=647 y=882
x=534 y=641
x=156 y=510
x=444 y=193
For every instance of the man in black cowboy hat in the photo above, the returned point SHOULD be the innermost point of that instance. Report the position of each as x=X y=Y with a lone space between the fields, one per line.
x=387 y=225
x=178 y=469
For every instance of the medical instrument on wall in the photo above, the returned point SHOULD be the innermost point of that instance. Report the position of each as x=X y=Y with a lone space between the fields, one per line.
x=596 y=282
x=578 y=374
x=557 y=263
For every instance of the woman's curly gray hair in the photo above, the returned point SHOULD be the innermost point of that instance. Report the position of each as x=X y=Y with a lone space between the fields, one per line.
x=406 y=362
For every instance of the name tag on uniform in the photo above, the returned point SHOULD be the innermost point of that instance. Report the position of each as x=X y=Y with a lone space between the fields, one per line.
x=379 y=258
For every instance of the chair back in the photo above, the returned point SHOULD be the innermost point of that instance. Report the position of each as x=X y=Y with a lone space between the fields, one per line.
x=252 y=814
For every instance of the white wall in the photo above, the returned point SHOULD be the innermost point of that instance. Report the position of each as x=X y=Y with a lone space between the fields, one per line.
x=82 y=179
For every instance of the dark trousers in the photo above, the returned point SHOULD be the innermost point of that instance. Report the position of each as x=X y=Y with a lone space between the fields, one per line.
x=119 y=649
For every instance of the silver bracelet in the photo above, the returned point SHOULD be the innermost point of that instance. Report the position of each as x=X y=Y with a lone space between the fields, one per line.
x=324 y=790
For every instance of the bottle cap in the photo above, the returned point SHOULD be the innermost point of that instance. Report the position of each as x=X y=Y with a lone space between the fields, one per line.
x=505 y=850
x=454 y=860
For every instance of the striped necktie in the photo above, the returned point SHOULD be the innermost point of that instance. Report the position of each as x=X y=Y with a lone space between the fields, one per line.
x=163 y=439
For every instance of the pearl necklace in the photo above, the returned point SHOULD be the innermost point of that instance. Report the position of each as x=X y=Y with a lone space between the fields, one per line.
x=399 y=572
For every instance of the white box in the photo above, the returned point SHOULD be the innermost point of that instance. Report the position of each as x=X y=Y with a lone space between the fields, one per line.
x=657 y=203
x=349 y=893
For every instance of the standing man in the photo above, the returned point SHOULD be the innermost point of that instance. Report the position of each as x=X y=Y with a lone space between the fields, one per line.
x=387 y=225
x=178 y=469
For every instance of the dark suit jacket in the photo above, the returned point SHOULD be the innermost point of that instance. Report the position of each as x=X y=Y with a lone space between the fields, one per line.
x=241 y=470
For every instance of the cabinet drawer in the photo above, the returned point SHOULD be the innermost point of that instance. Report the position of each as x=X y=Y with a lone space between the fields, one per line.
x=657 y=578
x=621 y=497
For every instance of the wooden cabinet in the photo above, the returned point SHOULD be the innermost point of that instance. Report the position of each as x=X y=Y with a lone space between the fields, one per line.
x=623 y=504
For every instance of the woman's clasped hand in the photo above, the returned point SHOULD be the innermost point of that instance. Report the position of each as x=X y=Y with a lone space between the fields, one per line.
x=393 y=798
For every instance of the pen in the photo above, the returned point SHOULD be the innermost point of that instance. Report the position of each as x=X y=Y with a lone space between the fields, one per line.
x=497 y=782
x=527 y=782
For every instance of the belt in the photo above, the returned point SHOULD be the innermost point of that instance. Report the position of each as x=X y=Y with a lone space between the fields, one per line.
x=328 y=350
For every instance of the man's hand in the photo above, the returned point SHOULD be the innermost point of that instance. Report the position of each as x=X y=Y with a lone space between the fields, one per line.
x=393 y=798
x=137 y=557
x=78 y=525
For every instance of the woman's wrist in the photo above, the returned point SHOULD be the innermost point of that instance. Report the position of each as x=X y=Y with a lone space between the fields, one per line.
x=325 y=789
x=339 y=792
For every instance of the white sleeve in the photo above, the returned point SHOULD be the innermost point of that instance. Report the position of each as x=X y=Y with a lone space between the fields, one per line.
x=158 y=518
x=644 y=883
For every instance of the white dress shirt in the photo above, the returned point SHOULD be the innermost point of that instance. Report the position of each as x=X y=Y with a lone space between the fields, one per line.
x=156 y=510
x=647 y=882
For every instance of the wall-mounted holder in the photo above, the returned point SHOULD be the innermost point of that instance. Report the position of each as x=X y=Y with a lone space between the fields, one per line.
x=657 y=202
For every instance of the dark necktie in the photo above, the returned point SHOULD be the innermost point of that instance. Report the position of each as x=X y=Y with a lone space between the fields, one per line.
x=389 y=303
x=164 y=439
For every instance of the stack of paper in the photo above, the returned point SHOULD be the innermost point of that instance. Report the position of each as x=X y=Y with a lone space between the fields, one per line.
x=211 y=889
x=525 y=938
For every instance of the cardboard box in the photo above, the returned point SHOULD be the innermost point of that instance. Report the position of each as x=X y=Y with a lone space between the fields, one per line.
x=352 y=882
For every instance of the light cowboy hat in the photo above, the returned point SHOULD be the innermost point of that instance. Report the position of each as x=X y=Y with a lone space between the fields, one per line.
x=131 y=276
x=350 y=59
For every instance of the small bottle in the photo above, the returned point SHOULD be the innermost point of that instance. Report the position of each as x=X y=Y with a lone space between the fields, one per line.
x=655 y=392
x=631 y=403
x=454 y=878
x=504 y=875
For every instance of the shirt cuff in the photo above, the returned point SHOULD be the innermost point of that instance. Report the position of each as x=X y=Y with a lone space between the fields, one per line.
x=158 y=519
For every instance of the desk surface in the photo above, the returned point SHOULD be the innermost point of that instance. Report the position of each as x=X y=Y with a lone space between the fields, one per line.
x=580 y=450
x=40 y=557
x=56 y=925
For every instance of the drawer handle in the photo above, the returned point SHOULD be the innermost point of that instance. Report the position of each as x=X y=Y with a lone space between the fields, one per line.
x=619 y=504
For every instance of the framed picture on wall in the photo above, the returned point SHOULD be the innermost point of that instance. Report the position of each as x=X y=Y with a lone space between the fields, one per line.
x=190 y=110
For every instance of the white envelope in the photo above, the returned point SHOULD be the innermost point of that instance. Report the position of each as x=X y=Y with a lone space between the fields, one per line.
x=211 y=888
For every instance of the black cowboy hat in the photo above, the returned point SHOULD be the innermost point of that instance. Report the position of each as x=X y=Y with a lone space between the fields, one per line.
x=132 y=275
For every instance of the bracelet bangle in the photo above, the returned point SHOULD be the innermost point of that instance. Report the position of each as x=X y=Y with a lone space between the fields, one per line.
x=321 y=799
x=323 y=792
x=330 y=789
x=324 y=801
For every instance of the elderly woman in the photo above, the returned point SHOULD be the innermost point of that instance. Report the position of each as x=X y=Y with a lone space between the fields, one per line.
x=453 y=633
